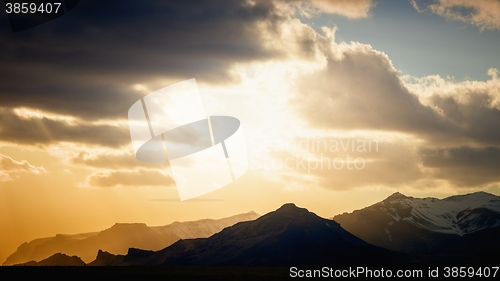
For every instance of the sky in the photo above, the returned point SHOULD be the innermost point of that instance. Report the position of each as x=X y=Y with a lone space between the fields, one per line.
x=342 y=103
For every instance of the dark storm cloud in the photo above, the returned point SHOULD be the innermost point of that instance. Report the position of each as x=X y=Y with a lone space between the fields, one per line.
x=85 y=62
x=44 y=131
x=464 y=166
x=473 y=114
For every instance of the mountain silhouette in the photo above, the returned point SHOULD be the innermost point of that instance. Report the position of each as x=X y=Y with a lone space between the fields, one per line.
x=120 y=237
x=461 y=228
x=285 y=237
x=57 y=260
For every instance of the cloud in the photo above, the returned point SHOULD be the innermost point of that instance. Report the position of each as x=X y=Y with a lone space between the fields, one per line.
x=117 y=168
x=360 y=89
x=8 y=166
x=464 y=166
x=110 y=160
x=342 y=163
x=42 y=130
x=473 y=114
x=139 y=177
x=94 y=63
x=471 y=158
x=85 y=63
x=484 y=14
x=353 y=9
x=473 y=107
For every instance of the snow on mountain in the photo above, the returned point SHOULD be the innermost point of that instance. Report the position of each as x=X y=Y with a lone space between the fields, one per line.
x=462 y=214
x=458 y=225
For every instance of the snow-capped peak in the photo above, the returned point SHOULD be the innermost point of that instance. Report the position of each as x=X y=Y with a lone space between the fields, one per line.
x=460 y=215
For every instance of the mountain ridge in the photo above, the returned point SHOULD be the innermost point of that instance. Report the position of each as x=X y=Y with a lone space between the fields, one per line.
x=376 y=235
x=287 y=236
x=119 y=237
x=57 y=259
x=427 y=225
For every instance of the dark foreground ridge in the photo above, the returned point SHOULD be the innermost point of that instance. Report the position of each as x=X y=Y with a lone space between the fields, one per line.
x=230 y=273
x=56 y=260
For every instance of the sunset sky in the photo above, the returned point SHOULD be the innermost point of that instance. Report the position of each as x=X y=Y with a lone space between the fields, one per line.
x=342 y=103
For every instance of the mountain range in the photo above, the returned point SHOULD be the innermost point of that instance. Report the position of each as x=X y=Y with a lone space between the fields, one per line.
x=119 y=238
x=285 y=237
x=398 y=231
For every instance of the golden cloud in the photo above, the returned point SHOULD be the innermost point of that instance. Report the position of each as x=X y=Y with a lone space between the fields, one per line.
x=484 y=14
x=8 y=166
